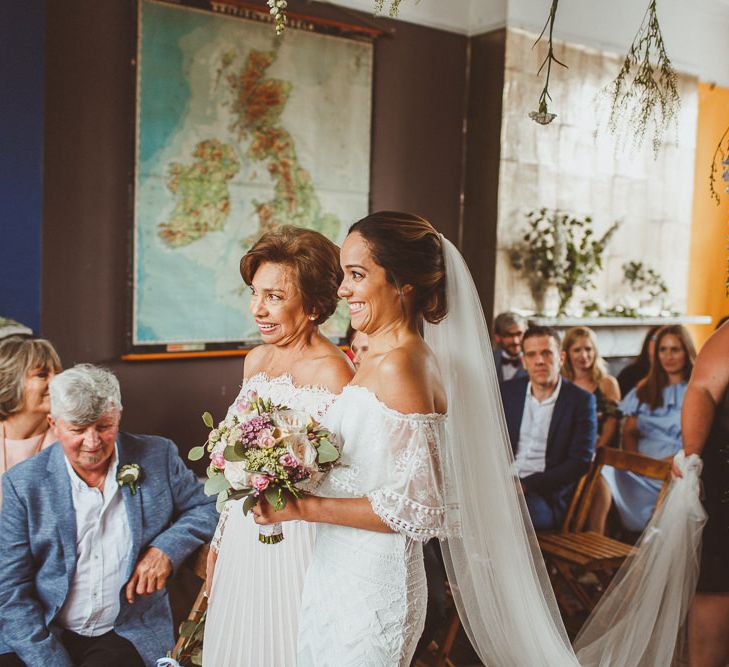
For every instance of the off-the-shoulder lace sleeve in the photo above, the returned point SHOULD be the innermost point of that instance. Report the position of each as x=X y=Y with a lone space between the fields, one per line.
x=220 y=528
x=411 y=499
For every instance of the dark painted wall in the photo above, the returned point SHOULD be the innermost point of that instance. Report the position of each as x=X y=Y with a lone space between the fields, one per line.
x=481 y=177
x=419 y=91
x=21 y=147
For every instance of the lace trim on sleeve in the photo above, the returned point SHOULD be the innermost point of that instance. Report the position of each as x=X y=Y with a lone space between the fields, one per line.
x=423 y=522
x=218 y=537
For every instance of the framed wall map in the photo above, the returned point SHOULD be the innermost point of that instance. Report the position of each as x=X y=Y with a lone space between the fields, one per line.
x=237 y=132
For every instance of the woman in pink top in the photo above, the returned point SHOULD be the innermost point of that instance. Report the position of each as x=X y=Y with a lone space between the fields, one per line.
x=26 y=367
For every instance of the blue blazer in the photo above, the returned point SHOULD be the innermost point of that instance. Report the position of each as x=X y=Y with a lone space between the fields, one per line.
x=570 y=441
x=498 y=362
x=38 y=546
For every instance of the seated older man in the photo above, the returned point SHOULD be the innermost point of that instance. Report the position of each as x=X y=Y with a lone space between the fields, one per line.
x=92 y=528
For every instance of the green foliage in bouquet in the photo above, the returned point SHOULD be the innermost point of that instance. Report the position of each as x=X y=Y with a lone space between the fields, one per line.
x=559 y=250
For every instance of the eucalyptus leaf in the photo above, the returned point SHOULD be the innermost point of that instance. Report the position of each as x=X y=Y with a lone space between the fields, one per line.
x=197 y=657
x=214 y=485
x=249 y=503
x=326 y=451
x=273 y=496
x=207 y=419
x=220 y=502
x=196 y=453
x=232 y=454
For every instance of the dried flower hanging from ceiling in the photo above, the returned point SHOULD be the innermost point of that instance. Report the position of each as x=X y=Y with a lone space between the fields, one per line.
x=542 y=115
x=644 y=93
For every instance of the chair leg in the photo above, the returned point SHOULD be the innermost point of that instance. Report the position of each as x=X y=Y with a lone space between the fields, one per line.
x=443 y=655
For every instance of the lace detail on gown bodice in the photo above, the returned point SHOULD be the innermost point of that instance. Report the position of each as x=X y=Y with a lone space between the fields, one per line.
x=392 y=458
x=280 y=390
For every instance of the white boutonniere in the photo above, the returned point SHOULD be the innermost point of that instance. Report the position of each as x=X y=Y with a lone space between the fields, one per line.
x=130 y=474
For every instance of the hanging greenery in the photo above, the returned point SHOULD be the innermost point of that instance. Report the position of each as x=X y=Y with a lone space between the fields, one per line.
x=394 y=7
x=719 y=162
x=542 y=115
x=278 y=11
x=644 y=93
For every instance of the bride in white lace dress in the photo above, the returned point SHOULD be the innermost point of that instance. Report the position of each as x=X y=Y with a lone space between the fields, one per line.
x=365 y=594
x=254 y=588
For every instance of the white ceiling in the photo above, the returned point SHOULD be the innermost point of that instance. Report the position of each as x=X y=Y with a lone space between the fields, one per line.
x=695 y=31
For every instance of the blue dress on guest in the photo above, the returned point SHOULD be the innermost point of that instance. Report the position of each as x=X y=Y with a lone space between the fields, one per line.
x=660 y=436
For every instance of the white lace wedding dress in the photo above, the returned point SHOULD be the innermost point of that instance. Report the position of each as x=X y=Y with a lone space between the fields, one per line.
x=365 y=593
x=253 y=612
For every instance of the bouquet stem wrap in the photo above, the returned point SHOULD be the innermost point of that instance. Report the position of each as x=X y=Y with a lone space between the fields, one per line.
x=272 y=534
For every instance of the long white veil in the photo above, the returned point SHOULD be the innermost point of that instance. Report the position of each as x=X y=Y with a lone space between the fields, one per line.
x=497 y=575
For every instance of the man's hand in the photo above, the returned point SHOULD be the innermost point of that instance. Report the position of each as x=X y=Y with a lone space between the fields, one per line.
x=150 y=574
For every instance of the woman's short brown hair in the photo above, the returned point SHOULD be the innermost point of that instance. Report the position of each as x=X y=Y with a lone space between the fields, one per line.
x=19 y=354
x=410 y=251
x=650 y=389
x=312 y=257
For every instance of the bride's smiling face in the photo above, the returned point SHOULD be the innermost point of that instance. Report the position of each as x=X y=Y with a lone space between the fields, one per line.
x=373 y=301
x=277 y=306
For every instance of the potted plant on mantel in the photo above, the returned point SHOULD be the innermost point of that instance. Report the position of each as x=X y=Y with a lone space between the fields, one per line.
x=558 y=250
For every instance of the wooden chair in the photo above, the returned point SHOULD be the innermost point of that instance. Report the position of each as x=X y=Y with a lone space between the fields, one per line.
x=198 y=564
x=582 y=563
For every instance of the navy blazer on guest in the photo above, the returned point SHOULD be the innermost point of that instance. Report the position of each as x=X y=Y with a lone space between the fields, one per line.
x=570 y=442
x=498 y=362
x=38 y=546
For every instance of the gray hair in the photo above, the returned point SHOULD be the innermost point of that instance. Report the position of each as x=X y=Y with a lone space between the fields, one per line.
x=82 y=394
x=508 y=319
x=19 y=354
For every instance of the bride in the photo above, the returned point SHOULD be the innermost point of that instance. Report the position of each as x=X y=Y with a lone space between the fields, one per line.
x=254 y=589
x=407 y=474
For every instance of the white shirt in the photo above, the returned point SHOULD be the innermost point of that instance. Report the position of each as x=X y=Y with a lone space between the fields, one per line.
x=103 y=542
x=507 y=370
x=532 y=448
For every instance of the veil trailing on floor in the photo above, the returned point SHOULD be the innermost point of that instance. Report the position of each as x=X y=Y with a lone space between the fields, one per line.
x=498 y=578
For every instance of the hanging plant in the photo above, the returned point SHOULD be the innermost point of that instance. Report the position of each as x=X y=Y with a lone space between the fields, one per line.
x=278 y=11
x=394 y=7
x=542 y=115
x=719 y=162
x=645 y=93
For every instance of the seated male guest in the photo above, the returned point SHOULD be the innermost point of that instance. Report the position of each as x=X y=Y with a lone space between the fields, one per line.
x=508 y=331
x=552 y=426
x=85 y=554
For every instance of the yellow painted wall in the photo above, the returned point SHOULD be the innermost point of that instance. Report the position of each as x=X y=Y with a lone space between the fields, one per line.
x=710 y=223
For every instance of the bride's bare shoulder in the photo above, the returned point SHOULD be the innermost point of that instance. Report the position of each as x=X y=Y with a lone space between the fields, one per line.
x=256 y=360
x=408 y=380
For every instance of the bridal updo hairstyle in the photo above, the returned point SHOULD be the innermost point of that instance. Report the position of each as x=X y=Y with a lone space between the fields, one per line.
x=313 y=259
x=410 y=251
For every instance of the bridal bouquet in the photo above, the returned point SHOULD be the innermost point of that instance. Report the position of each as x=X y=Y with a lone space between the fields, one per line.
x=264 y=450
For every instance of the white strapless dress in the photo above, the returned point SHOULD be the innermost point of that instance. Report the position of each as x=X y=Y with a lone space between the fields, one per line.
x=253 y=611
x=365 y=592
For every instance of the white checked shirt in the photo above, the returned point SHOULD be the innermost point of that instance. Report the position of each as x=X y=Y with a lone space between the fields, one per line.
x=532 y=449
x=103 y=542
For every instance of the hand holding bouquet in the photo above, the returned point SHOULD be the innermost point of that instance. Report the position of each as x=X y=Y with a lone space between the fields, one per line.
x=264 y=450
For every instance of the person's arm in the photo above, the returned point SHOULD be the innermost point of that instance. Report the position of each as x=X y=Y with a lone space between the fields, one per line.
x=704 y=393
x=351 y=512
x=195 y=514
x=611 y=391
x=631 y=434
x=579 y=455
x=22 y=620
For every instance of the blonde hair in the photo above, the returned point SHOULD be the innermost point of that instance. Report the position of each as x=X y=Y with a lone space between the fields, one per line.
x=19 y=354
x=599 y=367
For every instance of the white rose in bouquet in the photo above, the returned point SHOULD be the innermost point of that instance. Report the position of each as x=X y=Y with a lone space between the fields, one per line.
x=300 y=447
x=291 y=421
x=236 y=473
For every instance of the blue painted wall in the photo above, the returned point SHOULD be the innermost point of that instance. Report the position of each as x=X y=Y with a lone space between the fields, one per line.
x=22 y=31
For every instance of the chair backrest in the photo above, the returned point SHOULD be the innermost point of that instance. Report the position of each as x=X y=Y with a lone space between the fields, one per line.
x=579 y=508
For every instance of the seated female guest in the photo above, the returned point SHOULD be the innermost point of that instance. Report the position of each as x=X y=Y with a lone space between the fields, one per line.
x=26 y=367
x=652 y=424
x=584 y=367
